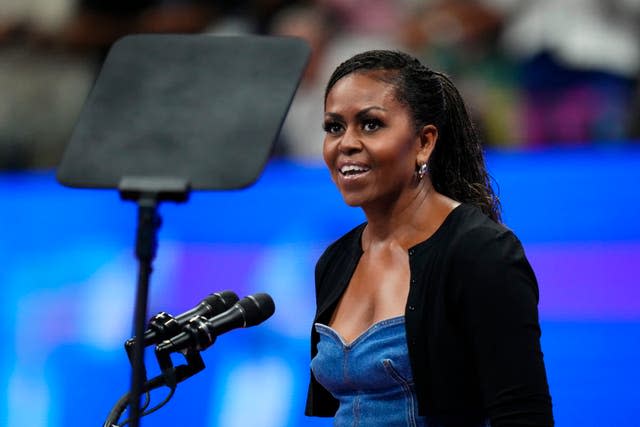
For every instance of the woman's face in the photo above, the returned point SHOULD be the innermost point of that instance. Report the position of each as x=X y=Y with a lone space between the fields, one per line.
x=371 y=146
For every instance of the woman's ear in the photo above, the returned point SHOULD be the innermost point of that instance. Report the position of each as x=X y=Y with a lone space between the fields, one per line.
x=428 y=135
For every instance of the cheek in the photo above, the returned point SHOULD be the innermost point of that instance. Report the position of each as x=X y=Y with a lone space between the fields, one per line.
x=328 y=153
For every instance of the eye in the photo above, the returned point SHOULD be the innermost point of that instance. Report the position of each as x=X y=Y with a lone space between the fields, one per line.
x=332 y=127
x=371 y=125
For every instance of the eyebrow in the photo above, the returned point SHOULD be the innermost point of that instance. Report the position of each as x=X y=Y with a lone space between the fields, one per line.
x=362 y=113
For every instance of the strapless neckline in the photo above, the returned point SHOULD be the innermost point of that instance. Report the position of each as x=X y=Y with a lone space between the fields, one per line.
x=371 y=330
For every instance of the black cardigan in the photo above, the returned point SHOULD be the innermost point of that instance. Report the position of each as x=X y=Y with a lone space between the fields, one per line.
x=471 y=321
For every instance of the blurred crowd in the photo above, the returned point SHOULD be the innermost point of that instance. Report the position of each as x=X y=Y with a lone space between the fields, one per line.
x=534 y=72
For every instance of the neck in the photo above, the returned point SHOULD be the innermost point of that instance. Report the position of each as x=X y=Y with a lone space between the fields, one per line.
x=407 y=221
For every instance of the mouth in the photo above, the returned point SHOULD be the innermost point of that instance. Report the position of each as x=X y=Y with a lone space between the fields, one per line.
x=352 y=170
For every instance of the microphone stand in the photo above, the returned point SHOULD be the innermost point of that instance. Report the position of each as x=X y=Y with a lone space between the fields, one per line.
x=170 y=377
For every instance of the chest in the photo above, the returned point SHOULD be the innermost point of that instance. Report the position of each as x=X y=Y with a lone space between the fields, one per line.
x=377 y=290
x=380 y=278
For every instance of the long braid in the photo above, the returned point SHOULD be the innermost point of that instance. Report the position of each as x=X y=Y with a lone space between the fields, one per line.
x=461 y=173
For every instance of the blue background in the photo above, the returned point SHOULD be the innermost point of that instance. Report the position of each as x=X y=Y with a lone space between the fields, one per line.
x=68 y=284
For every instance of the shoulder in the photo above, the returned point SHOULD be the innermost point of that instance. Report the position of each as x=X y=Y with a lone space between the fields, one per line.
x=476 y=235
x=486 y=255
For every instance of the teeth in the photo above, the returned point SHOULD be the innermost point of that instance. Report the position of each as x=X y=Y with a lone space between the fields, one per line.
x=352 y=169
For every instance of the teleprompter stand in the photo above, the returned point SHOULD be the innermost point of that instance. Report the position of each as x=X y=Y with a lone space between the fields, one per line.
x=173 y=113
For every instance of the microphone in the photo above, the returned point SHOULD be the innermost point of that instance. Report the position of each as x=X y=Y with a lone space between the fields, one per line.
x=163 y=325
x=200 y=333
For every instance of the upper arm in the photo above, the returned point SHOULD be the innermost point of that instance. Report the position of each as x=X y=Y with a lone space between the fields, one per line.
x=497 y=295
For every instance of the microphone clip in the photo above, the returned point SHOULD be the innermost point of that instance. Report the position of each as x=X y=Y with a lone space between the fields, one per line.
x=174 y=375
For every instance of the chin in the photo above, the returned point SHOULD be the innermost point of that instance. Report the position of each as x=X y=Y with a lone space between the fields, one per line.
x=352 y=200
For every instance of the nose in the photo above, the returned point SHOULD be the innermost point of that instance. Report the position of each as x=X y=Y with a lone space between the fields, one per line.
x=350 y=142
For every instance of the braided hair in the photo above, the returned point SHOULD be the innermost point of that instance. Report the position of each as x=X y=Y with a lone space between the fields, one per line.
x=456 y=166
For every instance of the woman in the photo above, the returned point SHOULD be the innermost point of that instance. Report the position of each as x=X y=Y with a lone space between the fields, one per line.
x=426 y=313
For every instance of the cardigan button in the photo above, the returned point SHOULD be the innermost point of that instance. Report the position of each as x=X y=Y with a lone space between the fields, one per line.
x=410 y=252
x=411 y=307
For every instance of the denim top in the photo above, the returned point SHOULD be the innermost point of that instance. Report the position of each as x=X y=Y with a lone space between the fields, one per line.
x=371 y=377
